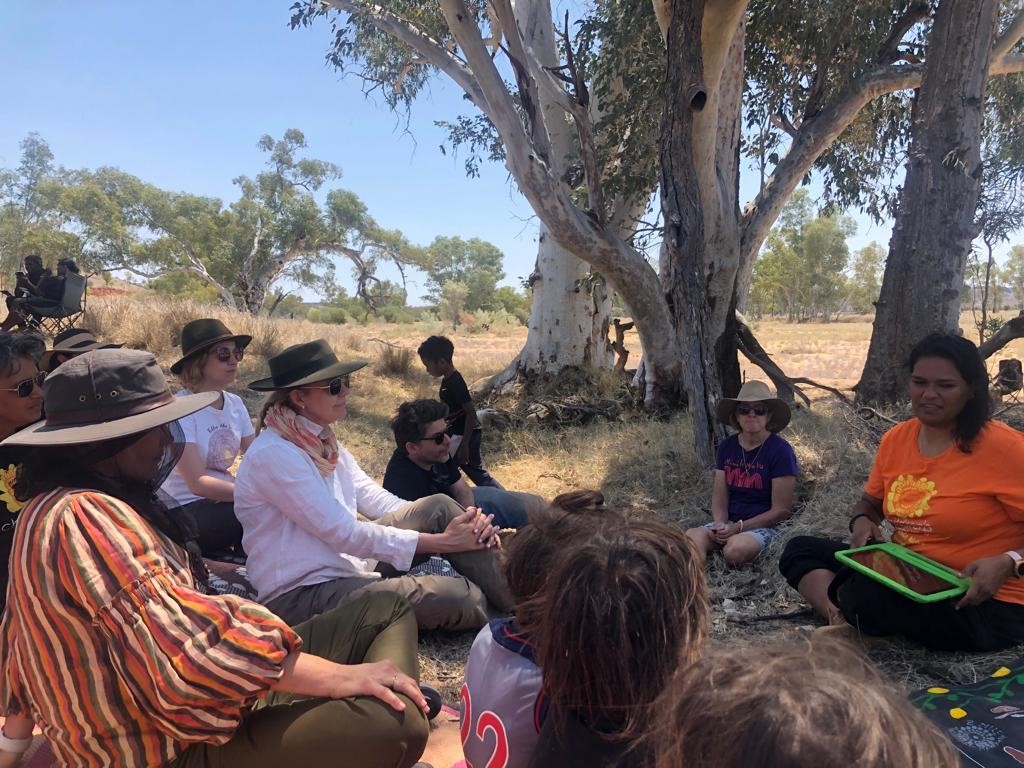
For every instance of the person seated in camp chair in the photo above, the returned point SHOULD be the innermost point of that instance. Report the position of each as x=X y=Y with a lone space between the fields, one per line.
x=26 y=285
x=421 y=466
x=42 y=296
x=950 y=482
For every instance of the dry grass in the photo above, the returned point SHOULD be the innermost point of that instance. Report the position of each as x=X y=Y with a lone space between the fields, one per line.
x=643 y=464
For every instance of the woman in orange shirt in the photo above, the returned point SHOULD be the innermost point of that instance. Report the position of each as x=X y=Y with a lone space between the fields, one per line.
x=950 y=482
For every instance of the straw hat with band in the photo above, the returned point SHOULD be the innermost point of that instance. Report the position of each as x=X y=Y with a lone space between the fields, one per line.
x=103 y=395
x=73 y=341
x=304 y=364
x=200 y=335
x=755 y=392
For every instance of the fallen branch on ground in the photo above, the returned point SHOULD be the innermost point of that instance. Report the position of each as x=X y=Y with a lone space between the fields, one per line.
x=811 y=383
x=755 y=353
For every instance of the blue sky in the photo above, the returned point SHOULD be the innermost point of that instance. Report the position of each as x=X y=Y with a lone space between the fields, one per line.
x=178 y=93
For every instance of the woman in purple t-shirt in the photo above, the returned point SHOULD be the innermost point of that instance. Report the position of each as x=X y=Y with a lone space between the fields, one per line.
x=755 y=473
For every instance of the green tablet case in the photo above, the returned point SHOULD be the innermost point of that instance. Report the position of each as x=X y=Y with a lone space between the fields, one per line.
x=957 y=585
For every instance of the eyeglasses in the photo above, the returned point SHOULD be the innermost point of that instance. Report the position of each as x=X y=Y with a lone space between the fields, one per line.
x=24 y=388
x=437 y=439
x=226 y=353
x=746 y=410
x=334 y=386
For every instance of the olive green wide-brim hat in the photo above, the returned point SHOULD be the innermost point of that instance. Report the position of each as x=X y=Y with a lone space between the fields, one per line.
x=200 y=335
x=106 y=394
x=756 y=392
x=305 y=363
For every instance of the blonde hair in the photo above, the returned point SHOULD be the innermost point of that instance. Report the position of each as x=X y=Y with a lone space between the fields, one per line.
x=277 y=397
x=794 y=705
x=191 y=373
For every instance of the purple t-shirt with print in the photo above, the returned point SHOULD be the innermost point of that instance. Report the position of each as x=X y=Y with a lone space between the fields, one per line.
x=749 y=474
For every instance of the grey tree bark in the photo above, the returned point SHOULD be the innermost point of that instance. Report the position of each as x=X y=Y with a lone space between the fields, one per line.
x=935 y=221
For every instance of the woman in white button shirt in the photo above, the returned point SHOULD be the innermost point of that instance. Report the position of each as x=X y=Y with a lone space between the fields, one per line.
x=319 y=531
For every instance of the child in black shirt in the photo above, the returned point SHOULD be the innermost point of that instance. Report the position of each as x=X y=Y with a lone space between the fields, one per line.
x=436 y=353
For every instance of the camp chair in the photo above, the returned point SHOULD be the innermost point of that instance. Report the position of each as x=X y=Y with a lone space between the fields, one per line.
x=53 y=320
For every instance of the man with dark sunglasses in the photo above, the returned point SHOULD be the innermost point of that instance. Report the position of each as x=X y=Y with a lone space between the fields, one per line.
x=421 y=466
x=21 y=404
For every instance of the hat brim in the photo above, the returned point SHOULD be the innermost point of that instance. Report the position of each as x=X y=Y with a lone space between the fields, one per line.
x=338 y=369
x=241 y=338
x=44 y=359
x=779 y=414
x=41 y=434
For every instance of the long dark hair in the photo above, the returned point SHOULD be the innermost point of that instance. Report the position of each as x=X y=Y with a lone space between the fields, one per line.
x=965 y=357
x=73 y=466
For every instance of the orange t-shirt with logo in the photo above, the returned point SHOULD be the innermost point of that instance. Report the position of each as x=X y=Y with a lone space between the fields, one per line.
x=955 y=507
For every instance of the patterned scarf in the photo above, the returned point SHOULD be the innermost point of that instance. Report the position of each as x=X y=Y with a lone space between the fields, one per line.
x=322 y=450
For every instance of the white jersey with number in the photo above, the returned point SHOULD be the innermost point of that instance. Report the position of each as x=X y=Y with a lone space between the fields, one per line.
x=502 y=702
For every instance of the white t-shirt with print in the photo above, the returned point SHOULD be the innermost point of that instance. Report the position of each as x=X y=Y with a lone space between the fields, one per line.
x=217 y=434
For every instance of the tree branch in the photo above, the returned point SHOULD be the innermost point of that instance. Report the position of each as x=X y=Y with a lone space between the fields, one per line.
x=427 y=47
x=889 y=50
x=1008 y=331
x=817 y=133
x=752 y=349
x=578 y=108
x=780 y=121
x=525 y=78
x=1010 y=37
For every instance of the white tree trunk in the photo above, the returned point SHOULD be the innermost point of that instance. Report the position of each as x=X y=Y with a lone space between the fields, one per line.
x=570 y=314
x=571 y=309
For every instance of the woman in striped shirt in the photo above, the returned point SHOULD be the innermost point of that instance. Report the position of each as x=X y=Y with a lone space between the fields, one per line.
x=110 y=643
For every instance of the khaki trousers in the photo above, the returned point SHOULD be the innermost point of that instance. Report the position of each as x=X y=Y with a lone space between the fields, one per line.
x=439 y=602
x=287 y=730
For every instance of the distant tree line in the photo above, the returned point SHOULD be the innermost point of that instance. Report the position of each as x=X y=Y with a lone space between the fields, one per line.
x=285 y=232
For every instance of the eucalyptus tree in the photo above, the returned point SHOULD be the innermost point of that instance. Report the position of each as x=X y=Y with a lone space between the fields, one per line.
x=936 y=222
x=277 y=230
x=825 y=73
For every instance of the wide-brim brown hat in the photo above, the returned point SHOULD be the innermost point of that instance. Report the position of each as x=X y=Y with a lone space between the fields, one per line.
x=73 y=341
x=304 y=364
x=200 y=335
x=756 y=392
x=105 y=394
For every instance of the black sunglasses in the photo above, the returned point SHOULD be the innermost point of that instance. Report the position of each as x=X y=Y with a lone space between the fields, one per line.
x=24 y=388
x=334 y=386
x=746 y=410
x=437 y=439
x=224 y=354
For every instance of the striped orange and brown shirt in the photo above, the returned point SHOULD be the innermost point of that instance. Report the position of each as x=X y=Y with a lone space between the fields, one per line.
x=109 y=647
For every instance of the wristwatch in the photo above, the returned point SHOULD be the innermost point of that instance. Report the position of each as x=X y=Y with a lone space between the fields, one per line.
x=1018 y=562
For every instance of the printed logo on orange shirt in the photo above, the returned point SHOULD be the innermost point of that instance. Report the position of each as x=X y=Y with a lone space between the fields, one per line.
x=907 y=500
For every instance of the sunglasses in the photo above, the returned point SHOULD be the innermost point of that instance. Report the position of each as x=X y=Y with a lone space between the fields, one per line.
x=746 y=410
x=334 y=386
x=226 y=353
x=24 y=388
x=437 y=439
